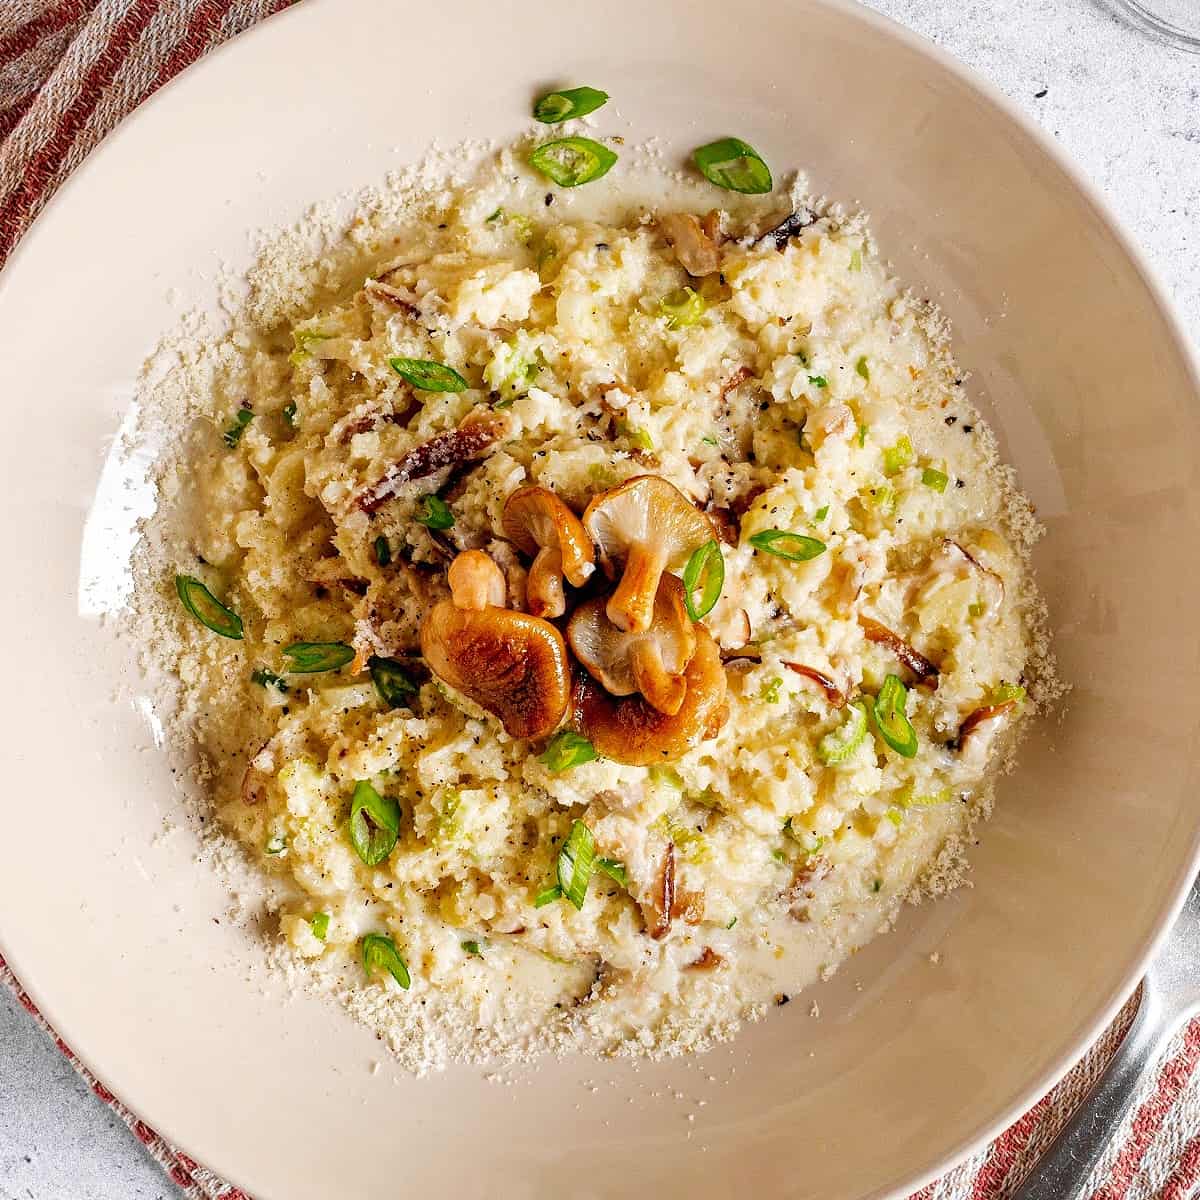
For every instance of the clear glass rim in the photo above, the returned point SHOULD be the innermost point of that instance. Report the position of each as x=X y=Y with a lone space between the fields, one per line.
x=1165 y=30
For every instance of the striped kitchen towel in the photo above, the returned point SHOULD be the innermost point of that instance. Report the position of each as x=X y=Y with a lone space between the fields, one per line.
x=69 y=71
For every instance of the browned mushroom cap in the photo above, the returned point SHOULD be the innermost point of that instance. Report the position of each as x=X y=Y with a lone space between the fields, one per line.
x=651 y=526
x=696 y=251
x=631 y=731
x=510 y=663
x=652 y=663
x=539 y=523
x=925 y=671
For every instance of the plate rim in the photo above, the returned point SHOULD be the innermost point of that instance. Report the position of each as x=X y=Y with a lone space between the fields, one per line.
x=1167 y=311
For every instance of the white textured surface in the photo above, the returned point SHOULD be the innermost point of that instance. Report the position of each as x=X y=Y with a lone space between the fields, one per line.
x=1123 y=107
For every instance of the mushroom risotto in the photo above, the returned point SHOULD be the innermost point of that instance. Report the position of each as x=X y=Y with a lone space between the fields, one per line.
x=606 y=622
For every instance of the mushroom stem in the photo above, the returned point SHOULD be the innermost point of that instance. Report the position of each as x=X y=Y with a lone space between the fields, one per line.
x=631 y=606
x=476 y=582
x=544 y=587
x=662 y=689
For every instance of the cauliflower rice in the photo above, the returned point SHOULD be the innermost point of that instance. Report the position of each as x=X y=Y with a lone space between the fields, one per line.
x=803 y=390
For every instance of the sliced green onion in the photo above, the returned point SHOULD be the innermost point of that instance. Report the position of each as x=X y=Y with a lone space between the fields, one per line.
x=233 y=434
x=572 y=161
x=682 y=307
x=769 y=693
x=896 y=458
x=555 y=107
x=862 y=369
x=576 y=861
x=207 y=609
x=289 y=414
x=732 y=164
x=614 y=870
x=428 y=376
x=435 y=513
x=567 y=749
x=705 y=570
x=821 y=513
x=818 y=381
x=837 y=745
x=795 y=547
x=548 y=896
x=895 y=816
x=374 y=824
x=306 y=658
x=378 y=950
x=473 y=948
x=391 y=681
x=667 y=776
x=319 y=924
x=890 y=719
x=863 y=430
x=710 y=441
x=856 y=260
x=931 y=477
x=1002 y=693
x=383 y=552
x=265 y=678
x=276 y=844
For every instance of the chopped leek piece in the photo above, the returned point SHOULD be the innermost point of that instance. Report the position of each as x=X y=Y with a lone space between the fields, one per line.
x=897 y=457
x=818 y=381
x=576 y=861
x=856 y=260
x=863 y=430
x=378 y=950
x=319 y=924
x=821 y=513
x=207 y=609
x=931 y=477
x=837 y=745
x=567 y=749
x=705 y=570
x=862 y=369
x=683 y=307
x=769 y=693
x=732 y=164
x=1003 y=692
x=473 y=948
x=614 y=870
x=548 y=896
x=276 y=844
x=374 y=824
x=977 y=609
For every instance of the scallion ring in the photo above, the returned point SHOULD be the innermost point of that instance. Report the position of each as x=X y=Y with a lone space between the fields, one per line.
x=556 y=107
x=732 y=164
x=576 y=861
x=890 y=718
x=378 y=950
x=572 y=161
x=391 y=681
x=435 y=513
x=207 y=609
x=705 y=570
x=614 y=870
x=795 y=547
x=374 y=824
x=307 y=658
x=428 y=376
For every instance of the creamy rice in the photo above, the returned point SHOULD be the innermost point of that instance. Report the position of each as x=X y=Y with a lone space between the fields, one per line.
x=804 y=391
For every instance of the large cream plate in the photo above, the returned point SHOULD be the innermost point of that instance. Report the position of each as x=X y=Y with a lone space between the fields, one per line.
x=109 y=920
